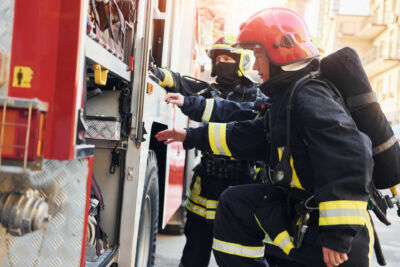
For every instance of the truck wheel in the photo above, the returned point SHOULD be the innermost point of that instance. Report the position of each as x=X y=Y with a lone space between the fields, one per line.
x=148 y=224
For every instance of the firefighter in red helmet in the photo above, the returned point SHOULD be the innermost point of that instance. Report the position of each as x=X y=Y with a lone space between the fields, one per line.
x=320 y=165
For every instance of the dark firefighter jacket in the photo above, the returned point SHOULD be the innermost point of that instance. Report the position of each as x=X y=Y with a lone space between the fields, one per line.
x=243 y=91
x=331 y=158
x=200 y=100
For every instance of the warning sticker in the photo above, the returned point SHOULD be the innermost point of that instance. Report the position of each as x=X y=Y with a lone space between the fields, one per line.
x=22 y=76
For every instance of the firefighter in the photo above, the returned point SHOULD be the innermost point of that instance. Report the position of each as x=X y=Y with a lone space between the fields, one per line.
x=315 y=207
x=216 y=172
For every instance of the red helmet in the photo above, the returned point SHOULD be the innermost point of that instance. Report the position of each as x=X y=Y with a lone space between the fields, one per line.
x=282 y=32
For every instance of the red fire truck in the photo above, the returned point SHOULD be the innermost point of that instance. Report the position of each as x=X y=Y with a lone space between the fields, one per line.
x=78 y=115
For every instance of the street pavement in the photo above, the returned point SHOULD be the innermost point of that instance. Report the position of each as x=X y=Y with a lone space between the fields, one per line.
x=169 y=248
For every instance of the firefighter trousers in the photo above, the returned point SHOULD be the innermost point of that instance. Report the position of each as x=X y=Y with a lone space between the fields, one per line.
x=239 y=238
x=201 y=206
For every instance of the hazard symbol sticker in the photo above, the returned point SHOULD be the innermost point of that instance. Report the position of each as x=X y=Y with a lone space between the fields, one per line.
x=22 y=76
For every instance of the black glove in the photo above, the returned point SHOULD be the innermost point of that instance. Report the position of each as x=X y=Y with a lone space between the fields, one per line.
x=163 y=77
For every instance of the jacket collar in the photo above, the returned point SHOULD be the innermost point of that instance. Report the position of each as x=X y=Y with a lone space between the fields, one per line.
x=275 y=87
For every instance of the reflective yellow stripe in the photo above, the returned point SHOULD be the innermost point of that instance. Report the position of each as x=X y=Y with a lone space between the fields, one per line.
x=284 y=241
x=222 y=135
x=165 y=81
x=208 y=110
x=221 y=46
x=208 y=214
x=197 y=186
x=217 y=139
x=267 y=238
x=340 y=220
x=295 y=182
x=371 y=237
x=211 y=138
x=256 y=171
x=168 y=80
x=343 y=204
x=237 y=249
x=207 y=203
x=342 y=212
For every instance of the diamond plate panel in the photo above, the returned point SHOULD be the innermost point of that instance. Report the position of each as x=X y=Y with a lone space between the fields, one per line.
x=59 y=243
x=6 y=27
x=100 y=129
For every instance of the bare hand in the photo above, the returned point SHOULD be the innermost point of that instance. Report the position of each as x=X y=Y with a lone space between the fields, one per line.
x=174 y=98
x=171 y=135
x=333 y=258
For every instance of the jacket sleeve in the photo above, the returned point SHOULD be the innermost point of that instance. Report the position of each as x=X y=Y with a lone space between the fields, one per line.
x=341 y=159
x=202 y=109
x=174 y=82
x=242 y=140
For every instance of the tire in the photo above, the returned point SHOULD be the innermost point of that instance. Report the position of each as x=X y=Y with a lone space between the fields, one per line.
x=148 y=224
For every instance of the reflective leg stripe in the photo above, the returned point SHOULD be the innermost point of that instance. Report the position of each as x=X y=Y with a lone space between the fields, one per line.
x=267 y=238
x=208 y=214
x=200 y=205
x=284 y=241
x=197 y=186
x=342 y=212
x=168 y=81
x=208 y=110
x=194 y=195
x=207 y=203
x=295 y=182
x=256 y=171
x=371 y=237
x=237 y=249
x=217 y=138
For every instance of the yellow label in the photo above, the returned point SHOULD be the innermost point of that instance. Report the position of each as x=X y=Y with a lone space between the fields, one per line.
x=22 y=76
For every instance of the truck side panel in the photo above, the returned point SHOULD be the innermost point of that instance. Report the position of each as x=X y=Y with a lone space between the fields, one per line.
x=62 y=241
x=45 y=63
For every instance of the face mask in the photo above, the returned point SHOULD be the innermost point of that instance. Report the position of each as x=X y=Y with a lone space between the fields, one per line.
x=226 y=72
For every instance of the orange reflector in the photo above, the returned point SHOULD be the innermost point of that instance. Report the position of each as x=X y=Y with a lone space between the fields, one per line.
x=150 y=88
x=18 y=137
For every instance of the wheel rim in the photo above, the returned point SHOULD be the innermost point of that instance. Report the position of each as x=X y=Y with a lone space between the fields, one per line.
x=145 y=234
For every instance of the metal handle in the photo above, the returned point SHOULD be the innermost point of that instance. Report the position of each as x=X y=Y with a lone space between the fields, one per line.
x=143 y=76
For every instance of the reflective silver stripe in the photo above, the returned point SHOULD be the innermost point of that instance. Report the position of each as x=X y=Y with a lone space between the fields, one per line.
x=218 y=141
x=217 y=138
x=342 y=212
x=386 y=145
x=237 y=249
x=284 y=241
x=209 y=204
x=197 y=186
x=208 y=110
x=208 y=214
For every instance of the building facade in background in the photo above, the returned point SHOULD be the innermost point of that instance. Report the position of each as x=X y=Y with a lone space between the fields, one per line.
x=376 y=38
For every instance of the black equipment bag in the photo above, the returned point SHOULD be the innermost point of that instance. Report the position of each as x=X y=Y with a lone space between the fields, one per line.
x=344 y=69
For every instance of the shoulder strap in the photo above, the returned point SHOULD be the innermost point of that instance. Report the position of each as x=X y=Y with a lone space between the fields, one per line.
x=297 y=85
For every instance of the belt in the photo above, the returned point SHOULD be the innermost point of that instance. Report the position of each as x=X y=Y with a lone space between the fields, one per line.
x=223 y=167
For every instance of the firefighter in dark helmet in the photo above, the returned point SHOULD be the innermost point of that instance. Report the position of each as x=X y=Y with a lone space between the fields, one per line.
x=320 y=164
x=216 y=172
